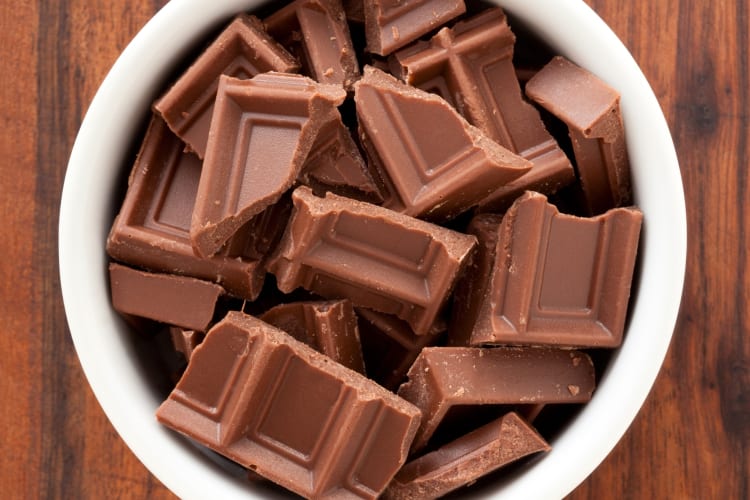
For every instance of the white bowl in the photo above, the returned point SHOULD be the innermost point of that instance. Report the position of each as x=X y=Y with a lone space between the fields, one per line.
x=105 y=347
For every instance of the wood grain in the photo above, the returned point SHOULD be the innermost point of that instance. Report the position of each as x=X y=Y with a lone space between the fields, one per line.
x=689 y=441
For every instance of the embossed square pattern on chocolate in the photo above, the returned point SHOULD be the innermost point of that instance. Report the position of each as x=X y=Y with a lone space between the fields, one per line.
x=350 y=285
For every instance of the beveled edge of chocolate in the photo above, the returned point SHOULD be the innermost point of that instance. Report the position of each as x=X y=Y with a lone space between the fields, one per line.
x=601 y=324
x=490 y=164
x=244 y=32
x=435 y=384
x=166 y=249
x=345 y=71
x=263 y=353
x=466 y=459
x=328 y=326
x=387 y=30
x=161 y=288
x=216 y=220
x=286 y=263
x=590 y=108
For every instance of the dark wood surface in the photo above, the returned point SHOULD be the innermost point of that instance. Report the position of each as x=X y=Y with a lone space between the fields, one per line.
x=691 y=439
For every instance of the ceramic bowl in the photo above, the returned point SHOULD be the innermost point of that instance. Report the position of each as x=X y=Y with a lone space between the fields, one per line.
x=93 y=184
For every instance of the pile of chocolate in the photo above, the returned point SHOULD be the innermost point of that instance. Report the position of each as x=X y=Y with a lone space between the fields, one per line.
x=353 y=247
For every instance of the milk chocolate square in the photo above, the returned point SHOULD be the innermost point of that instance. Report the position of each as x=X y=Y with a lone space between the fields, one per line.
x=242 y=50
x=546 y=278
x=444 y=377
x=471 y=66
x=427 y=170
x=377 y=258
x=152 y=228
x=317 y=32
x=591 y=110
x=274 y=405
x=261 y=133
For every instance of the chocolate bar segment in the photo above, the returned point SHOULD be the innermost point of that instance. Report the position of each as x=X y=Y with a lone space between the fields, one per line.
x=431 y=162
x=379 y=259
x=152 y=228
x=175 y=300
x=443 y=377
x=274 y=405
x=261 y=134
x=390 y=346
x=335 y=164
x=329 y=327
x=591 y=110
x=549 y=278
x=466 y=459
x=243 y=50
x=471 y=66
x=317 y=32
x=392 y=24
x=185 y=341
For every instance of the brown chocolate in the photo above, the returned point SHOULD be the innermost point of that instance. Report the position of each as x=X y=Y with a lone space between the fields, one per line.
x=317 y=32
x=431 y=162
x=261 y=134
x=274 y=405
x=466 y=459
x=329 y=327
x=392 y=24
x=390 y=346
x=335 y=164
x=185 y=341
x=546 y=278
x=152 y=228
x=443 y=377
x=591 y=110
x=471 y=66
x=243 y=50
x=175 y=300
x=379 y=259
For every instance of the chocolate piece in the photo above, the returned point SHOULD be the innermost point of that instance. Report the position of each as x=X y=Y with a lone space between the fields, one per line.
x=175 y=300
x=185 y=341
x=471 y=66
x=392 y=24
x=443 y=377
x=274 y=405
x=432 y=163
x=466 y=459
x=328 y=327
x=591 y=110
x=542 y=277
x=152 y=229
x=355 y=11
x=261 y=134
x=390 y=346
x=342 y=248
x=317 y=32
x=243 y=50
x=335 y=164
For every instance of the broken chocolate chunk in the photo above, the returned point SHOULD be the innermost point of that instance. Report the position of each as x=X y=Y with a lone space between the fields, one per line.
x=274 y=405
x=546 y=278
x=243 y=50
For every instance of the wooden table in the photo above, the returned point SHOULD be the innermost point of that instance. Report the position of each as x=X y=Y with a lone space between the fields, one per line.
x=692 y=437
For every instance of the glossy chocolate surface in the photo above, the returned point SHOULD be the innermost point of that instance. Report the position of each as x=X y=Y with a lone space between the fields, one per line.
x=547 y=278
x=261 y=133
x=444 y=377
x=378 y=258
x=591 y=110
x=431 y=172
x=276 y=406
x=242 y=50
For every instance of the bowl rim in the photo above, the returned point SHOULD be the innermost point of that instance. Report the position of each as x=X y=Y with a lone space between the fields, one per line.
x=107 y=357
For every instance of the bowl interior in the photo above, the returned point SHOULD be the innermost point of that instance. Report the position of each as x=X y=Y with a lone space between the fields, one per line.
x=109 y=356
